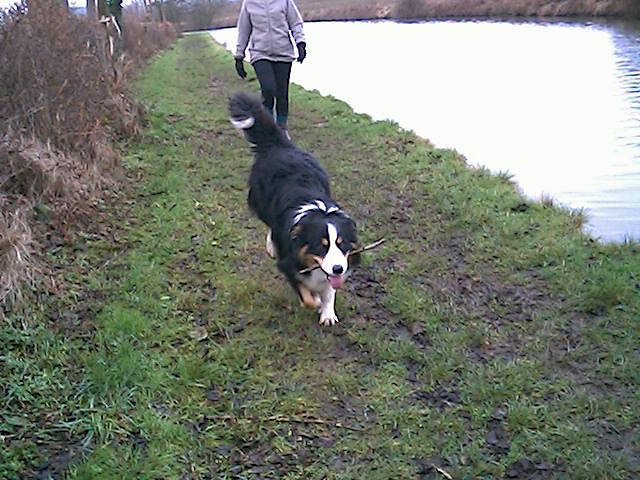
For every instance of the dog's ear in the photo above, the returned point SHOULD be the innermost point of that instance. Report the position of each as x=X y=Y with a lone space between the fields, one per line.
x=355 y=244
x=308 y=260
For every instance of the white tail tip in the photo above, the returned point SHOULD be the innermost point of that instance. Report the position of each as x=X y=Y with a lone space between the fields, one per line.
x=243 y=124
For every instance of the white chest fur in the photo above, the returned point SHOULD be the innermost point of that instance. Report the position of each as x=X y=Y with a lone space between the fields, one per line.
x=316 y=281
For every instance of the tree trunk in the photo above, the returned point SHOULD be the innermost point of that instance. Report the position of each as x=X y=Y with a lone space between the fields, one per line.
x=91 y=10
x=160 y=4
x=103 y=9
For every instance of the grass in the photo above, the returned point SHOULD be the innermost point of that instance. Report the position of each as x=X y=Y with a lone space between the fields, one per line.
x=488 y=338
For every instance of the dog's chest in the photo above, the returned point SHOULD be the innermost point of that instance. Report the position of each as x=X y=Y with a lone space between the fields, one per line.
x=316 y=281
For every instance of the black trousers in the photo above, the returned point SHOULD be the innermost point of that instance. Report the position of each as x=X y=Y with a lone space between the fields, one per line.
x=274 y=83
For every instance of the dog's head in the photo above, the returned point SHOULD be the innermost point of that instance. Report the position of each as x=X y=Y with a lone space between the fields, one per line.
x=326 y=240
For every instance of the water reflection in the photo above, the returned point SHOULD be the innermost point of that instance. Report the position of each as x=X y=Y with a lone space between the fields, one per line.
x=556 y=105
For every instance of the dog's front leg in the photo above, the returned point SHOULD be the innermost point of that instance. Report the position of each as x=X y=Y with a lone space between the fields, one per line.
x=307 y=298
x=271 y=248
x=327 y=307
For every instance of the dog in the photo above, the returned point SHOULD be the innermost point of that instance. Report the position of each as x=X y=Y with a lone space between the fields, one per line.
x=311 y=236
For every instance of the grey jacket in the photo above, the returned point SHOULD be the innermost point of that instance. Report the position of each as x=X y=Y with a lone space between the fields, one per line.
x=264 y=26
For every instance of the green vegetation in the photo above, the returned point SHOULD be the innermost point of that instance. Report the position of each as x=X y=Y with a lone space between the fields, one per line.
x=488 y=338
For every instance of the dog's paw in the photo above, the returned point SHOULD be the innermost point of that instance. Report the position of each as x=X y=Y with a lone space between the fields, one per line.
x=328 y=319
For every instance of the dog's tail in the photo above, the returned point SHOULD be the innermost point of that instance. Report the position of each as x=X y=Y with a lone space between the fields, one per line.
x=249 y=115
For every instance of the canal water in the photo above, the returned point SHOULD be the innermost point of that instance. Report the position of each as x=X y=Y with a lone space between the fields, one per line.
x=556 y=105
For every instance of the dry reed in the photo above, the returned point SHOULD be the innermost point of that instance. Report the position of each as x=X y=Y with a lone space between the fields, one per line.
x=17 y=263
x=62 y=107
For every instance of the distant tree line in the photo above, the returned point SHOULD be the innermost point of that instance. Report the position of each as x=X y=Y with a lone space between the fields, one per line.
x=189 y=14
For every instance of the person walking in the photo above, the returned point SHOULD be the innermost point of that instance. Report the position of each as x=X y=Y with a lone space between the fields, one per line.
x=266 y=27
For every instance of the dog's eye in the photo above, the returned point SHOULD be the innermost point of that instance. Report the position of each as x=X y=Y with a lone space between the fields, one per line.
x=338 y=240
x=325 y=242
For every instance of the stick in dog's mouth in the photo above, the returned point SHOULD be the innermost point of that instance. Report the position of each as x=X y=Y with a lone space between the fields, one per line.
x=371 y=246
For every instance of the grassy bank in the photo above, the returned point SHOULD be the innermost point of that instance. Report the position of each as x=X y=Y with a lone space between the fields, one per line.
x=488 y=338
x=320 y=10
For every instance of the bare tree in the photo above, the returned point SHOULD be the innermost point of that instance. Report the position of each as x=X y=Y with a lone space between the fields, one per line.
x=160 y=4
x=91 y=9
x=192 y=14
x=103 y=8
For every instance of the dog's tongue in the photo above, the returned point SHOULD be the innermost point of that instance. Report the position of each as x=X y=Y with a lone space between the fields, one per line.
x=336 y=281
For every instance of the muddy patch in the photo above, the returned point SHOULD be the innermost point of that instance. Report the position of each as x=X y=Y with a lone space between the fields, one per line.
x=299 y=438
x=528 y=469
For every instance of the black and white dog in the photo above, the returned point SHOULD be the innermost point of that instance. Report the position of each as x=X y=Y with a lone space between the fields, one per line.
x=309 y=234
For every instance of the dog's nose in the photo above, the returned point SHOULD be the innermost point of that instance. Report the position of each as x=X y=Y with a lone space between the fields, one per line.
x=338 y=269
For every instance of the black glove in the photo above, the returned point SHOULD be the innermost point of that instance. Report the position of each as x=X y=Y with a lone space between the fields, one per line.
x=240 y=68
x=302 y=51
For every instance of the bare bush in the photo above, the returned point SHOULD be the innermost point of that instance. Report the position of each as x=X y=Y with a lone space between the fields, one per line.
x=61 y=109
x=54 y=87
x=35 y=176
x=35 y=171
x=143 y=38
